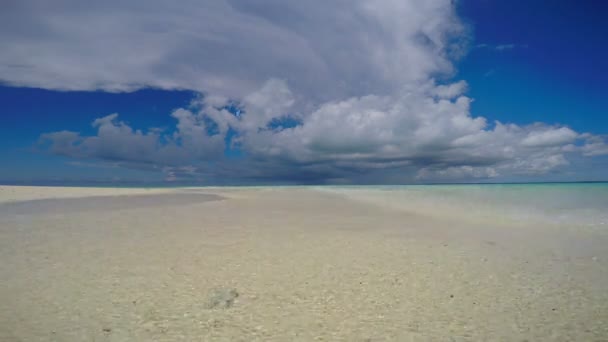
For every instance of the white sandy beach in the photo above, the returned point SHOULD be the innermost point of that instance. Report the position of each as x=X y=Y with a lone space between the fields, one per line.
x=88 y=264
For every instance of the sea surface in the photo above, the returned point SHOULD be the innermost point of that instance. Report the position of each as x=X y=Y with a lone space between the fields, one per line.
x=579 y=204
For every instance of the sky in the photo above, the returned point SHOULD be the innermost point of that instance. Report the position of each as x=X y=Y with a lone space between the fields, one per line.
x=316 y=92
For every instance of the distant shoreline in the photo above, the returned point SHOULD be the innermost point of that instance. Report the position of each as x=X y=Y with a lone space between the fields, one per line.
x=192 y=185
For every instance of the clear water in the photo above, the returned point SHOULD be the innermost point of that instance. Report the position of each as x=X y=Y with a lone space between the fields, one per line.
x=560 y=203
x=581 y=204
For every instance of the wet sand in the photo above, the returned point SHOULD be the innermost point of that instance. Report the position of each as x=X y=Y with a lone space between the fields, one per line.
x=297 y=264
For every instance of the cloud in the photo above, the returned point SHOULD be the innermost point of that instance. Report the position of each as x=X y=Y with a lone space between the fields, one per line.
x=503 y=47
x=594 y=146
x=308 y=91
x=489 y=73
x=549 y=137
x=323 y=49
x=500 y=47
x=427 y=132
x=118 y=142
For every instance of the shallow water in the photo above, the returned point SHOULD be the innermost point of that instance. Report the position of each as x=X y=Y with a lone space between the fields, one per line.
x=298 y=264
x=581 y=204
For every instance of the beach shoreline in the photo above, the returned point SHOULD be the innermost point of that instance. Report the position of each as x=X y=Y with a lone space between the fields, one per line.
x=140 y=264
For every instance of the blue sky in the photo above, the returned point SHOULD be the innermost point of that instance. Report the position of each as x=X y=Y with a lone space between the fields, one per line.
x=348 y=117
x=556 y=70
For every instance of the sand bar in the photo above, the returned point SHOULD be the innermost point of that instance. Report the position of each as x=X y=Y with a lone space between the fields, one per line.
x=136 y=264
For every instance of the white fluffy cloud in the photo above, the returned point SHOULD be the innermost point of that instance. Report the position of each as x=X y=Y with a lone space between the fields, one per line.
x=116 y=141
x=360 y=83
x=427 y=131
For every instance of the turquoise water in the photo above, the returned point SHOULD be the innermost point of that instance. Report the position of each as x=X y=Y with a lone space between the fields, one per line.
x=561 y=203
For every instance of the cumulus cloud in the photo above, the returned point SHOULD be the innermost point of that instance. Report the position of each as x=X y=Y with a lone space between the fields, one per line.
x=427 y=131
x=308 y=90
x=549 y=137
x=117 y=141
x=594 y=146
